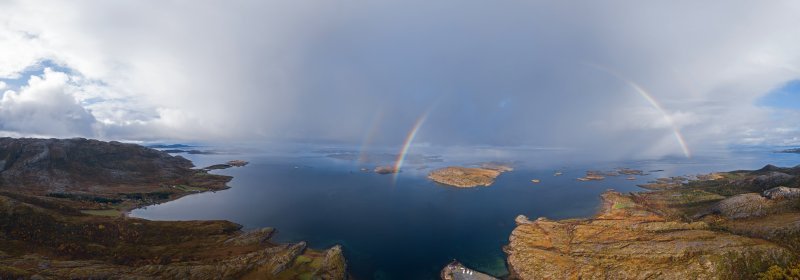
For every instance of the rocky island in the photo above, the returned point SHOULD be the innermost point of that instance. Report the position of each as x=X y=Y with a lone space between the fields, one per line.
x=386 y=169
x=60 y=206
x=732 y=225
x=468 y=177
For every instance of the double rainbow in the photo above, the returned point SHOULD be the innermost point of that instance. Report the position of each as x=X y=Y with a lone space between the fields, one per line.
x=653 y=102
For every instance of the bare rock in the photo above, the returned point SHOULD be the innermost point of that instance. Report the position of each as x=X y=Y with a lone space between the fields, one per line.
x=253 y=237
x=782 y=193
x=333 y=265
x=627 y=241
x=743 y=206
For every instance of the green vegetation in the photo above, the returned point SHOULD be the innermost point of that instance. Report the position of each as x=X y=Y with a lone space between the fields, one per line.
x=748 y=265
x=621 y=205
x=302 y=259
x=781 y=273
x=148 y=196
x=9 y=272
x=103 y=212
x=85 y=197
x=186 y=188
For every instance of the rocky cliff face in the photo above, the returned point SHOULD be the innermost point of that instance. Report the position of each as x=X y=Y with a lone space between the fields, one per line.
x=47 y=185
x=712 y=228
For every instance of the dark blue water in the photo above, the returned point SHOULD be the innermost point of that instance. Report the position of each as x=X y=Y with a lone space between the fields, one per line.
x=410 y=228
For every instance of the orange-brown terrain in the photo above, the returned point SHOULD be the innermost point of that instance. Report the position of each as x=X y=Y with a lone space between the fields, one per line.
x=733 y=225
x=468 y=177
x=61 y=217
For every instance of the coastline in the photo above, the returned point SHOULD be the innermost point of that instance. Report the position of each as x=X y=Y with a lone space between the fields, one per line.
x=127 y=211
x=740 y=223
x=49 y=234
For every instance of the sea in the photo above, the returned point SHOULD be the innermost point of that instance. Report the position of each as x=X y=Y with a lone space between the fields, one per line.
x=404 y=226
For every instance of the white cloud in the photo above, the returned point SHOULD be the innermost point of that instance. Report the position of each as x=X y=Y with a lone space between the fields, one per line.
x=267 y=69
x=45 y=107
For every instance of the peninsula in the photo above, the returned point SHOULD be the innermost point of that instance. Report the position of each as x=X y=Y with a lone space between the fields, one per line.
x=62 y=205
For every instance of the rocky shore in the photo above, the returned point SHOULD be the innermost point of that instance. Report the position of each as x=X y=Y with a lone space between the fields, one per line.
x=60 y=206
x=732 y=225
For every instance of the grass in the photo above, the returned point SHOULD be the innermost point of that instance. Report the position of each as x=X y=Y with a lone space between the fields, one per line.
x=13 y=272
x=306 y=276
x=302 y=259
x=104 y=212
x=622 y=205
x=189 y=188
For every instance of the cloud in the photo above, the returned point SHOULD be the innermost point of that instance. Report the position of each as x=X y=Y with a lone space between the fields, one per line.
x=501 y=74
x=45 y=107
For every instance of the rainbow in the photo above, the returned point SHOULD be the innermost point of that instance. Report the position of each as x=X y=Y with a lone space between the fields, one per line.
x=407 y=143
x=653 y=102
x=373 y=128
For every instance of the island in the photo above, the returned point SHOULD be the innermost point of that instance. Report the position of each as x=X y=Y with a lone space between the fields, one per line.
x=727 y=225
x=468 y=177
x=63 y=205
x=388 y=169
x=594 y=175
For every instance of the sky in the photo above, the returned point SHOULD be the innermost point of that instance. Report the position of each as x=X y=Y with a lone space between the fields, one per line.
x=626 y=78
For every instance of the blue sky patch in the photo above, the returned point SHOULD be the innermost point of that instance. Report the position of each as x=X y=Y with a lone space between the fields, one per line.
x=787 y=96
x=34 y=70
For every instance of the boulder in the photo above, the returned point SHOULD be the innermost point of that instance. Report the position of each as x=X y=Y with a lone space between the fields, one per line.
x=782 y=193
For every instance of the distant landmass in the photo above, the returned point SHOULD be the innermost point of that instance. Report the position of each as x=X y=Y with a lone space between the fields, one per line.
x=191 y=152
x=63 y=205
x=169 y=146
x=792 y=151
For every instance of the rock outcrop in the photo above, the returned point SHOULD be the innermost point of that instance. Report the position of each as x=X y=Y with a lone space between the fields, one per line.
x=749 y=205
x=627 y=241
x=781 y=193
